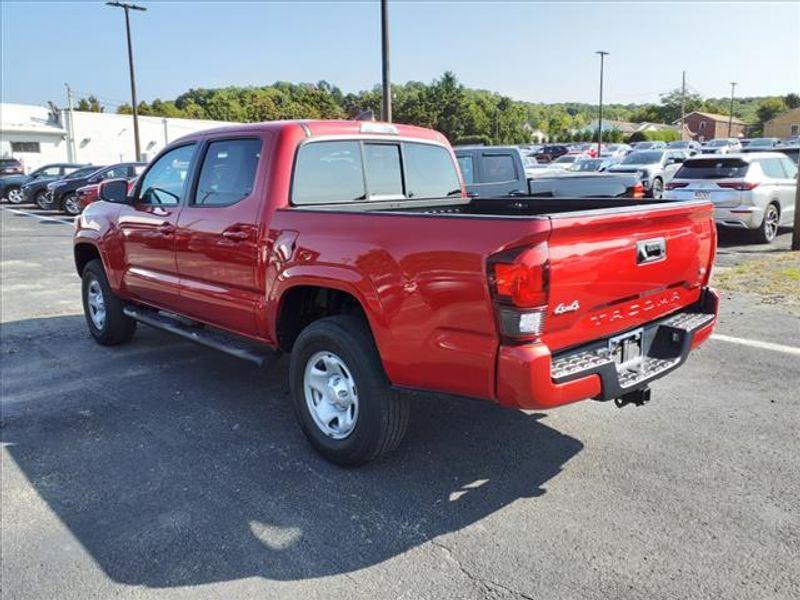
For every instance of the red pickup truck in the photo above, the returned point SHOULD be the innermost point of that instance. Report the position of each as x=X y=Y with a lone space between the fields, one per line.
x=353 y=246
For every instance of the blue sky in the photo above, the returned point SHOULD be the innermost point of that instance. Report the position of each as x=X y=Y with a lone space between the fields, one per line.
x=529 y=51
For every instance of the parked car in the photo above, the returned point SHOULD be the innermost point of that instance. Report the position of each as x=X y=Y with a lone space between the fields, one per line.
x=584 y=165
x=689 y=146
x=377 y=274
x=745 y=142
x=36 y=191
x=62 y=194
x=11 y=186
x=761 y=144
x=657 y=145
x=753 y=191
x=89 y=193
x=616 y=151
x=500 y=171
x=721 y=146
x=655 y=167
x=565 y=162
x=550 y=152
x=11 y=166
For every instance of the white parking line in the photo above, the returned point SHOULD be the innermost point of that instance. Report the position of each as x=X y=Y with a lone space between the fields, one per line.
x=757 y=344
x=40 y=217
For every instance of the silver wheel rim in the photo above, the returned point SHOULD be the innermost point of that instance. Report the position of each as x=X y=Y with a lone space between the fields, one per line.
x=331 y=395
x=771 y=223
x=71 y=205
x=658 y=188
x=15 y=196
x=97 y=304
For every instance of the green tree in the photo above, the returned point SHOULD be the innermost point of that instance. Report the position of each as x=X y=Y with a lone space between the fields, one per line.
x=769 y=108
x=90 y=104
x=791 y=101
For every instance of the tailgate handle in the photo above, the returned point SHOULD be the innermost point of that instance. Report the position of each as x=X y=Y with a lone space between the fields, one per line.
x=648 y=251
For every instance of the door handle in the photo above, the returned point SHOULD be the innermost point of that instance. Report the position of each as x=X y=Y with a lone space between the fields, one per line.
x=166 y=229
x=236 y=236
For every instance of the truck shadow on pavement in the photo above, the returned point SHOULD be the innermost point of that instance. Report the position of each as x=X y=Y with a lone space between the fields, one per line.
x=174 y=465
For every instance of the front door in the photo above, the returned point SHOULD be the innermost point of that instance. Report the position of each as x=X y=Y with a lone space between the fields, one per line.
x=217 y=235
x=147 y=228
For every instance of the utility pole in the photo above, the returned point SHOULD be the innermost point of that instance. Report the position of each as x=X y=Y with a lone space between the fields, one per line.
x=683 y=103
x=730 y=118
x=71 y=128
x=386 y=105
x=603 y=55
x=127 y=8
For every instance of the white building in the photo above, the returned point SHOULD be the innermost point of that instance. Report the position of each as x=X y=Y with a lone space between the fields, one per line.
x=37 y=135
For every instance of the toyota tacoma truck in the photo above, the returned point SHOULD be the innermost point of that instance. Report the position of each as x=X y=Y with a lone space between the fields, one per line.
x=353 y=247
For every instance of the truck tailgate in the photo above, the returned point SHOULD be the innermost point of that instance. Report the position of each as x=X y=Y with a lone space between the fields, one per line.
x=611 y=271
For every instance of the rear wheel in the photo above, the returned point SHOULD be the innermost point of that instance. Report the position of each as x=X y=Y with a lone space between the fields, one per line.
x=72 y=206
x=769 y=226
x=14 y=195
x=658 y=189
x=44 y=200
x=107 y=322
x=342 y=398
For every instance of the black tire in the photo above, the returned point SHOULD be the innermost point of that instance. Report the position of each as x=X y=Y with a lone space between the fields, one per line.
x=117 y=328
x=44 y=201
x=70 y=205
x=13 y=195
x=659 y=192
x=768 y=229
x=383 y=413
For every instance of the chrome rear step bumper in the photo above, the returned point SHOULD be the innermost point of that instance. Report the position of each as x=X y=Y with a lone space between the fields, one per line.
x=665 y=345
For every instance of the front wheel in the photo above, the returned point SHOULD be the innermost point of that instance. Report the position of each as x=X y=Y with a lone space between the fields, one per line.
x=103 y=309
x=71 y=205
x=769 y=226
x=14 y=195
x=342 y=398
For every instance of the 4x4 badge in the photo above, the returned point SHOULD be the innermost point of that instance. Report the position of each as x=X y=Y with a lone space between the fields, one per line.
x=565 y=308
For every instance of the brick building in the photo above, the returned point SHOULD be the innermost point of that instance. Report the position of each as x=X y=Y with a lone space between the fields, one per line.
x=707 y=126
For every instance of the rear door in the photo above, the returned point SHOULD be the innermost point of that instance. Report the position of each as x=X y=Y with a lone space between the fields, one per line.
x=618 y=269
x=217 y=234
x=147 y=228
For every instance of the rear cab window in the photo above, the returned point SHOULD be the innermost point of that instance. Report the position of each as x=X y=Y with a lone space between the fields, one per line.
x=347 y=171
x=498 y=168
x=713 y=168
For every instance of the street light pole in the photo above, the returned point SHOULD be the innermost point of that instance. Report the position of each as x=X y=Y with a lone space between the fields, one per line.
x=603 y=55
x=386 y=105
x=730 y=117
x=128 y=7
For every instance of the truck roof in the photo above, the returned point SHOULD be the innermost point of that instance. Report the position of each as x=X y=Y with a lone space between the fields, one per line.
x=323 y=127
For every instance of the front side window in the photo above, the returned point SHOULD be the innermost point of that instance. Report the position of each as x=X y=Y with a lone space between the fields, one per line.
x=790 y=167
x=328 y=173
x=383 y=169
x=430 y=172
x=467 y=169
x=48 y=172
x=120 y=172
x=228 y=172
x=165 y=183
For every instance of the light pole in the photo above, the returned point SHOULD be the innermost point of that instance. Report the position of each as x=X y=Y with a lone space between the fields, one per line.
x=128 y=7
x=730 y=117
x=603 y=55
x=386 y=105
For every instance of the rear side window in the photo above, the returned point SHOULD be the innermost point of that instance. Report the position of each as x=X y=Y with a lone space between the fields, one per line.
x=498 y=168
x=467 y=170
x=384 y=174
x=713 y=168
x=430 y=172
x=328 y=172
x=772 y=168
x=228 y=172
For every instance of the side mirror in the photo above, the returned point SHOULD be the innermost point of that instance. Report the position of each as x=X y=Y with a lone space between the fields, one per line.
x=114 y=190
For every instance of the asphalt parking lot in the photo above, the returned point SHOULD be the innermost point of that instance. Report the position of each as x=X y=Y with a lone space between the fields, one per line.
x=166 y=470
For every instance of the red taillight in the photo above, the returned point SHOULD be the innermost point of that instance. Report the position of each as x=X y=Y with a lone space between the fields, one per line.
x=637 y=191
x=674 y=185
x=519 y=282
x=742 y=186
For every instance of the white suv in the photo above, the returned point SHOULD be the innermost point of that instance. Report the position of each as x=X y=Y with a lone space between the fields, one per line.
x=752 y=191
